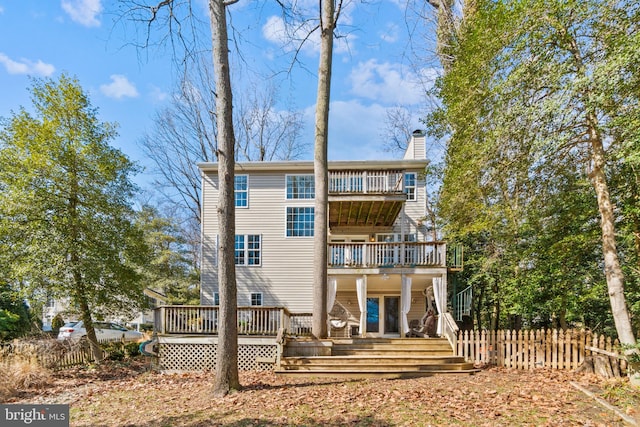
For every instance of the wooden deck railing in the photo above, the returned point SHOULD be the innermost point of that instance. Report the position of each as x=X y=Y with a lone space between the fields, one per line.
x=532 y=349
x=382 y=254
x=300 y=324
x=366 y=182
x=195 y=319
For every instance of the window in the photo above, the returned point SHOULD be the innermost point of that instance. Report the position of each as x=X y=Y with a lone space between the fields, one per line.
x=241 y=191
x=300 y=222
x=216 y=298
x=247 y=249
x=300 y=187
x=256 y=298
x=410 y=185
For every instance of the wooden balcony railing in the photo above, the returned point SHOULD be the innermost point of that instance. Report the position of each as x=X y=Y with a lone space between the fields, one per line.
x=366 y=182
x=400 y=254
x=195 y=319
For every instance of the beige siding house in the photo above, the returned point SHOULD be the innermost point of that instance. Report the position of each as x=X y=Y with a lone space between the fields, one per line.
x=384 y=272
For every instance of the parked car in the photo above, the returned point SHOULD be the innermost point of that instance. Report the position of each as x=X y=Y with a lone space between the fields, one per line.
x=105 y=331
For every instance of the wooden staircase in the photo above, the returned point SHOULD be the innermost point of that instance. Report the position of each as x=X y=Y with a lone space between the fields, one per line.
x=377 y=357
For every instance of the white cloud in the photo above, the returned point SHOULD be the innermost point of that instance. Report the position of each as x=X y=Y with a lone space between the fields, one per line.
x=1 y=9
x=84 y=12
x=388 y=83
x=391 y=33
x=157 y=94
x=119 y=87
x=275 y=31
x=25 y=66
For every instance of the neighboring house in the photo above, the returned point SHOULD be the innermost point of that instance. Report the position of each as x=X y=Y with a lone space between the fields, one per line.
x=383 y=272
x=145 y=318
x=54 y=307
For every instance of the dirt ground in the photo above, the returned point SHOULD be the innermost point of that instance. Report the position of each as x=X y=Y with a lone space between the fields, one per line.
x=128 y=394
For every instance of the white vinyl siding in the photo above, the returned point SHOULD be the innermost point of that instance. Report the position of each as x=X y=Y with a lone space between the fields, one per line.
x=285 y=262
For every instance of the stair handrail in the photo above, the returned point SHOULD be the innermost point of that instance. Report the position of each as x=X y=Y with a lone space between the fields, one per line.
x=450 y=330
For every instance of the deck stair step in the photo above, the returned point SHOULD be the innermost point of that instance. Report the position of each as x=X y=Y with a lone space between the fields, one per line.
x=381 y=358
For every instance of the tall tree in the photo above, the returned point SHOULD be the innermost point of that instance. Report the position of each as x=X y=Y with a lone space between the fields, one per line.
x=321 y=169
x=553 y=75
x=227 y=378
x=66 y=204
x=171 y=270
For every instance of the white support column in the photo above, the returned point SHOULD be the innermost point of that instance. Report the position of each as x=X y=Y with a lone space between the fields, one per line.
x=361 y=290
x=405 y=304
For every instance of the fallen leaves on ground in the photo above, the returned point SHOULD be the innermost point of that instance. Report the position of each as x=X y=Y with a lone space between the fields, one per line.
x=131 y=395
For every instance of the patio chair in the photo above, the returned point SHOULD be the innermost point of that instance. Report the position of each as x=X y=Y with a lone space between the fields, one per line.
x=339 y=321
x=426 y=327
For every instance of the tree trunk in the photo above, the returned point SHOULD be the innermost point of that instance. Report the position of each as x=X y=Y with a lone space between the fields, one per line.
x=226 y=378
x=80 y=295
x=613 y=272
x=445 y=31
x=495 y=313
x=92 y=339
x=327 y=23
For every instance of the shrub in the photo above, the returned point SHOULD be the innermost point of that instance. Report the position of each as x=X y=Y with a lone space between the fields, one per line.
x=21 y=369
x=117 y=350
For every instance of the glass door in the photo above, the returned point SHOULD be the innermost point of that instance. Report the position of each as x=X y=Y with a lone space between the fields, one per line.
x=383 y=319
x=373 y=315
x=391 y=315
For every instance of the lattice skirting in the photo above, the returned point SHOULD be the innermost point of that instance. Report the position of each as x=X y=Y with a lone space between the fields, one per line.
x=201 y=357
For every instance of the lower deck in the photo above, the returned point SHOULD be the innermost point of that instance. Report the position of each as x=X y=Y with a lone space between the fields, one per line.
x=353 y=358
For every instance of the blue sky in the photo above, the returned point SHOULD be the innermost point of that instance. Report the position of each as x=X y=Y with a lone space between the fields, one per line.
x=85 y=39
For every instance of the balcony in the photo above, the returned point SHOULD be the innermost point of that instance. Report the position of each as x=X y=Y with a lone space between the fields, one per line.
x=366 y=182
x=365 y=199
x=374 y=255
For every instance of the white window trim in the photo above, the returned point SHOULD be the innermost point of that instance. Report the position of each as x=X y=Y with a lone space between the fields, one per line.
x=251 y=294
x=415 y=186
x=247 y=191
x=286 y=177
x=285 y=220
x=246 y=250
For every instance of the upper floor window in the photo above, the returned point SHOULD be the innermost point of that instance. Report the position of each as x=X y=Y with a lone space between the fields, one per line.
x=256 y=298
x=300 y=187
x=300 y=221
x=410 y=185
x=241 y=191
x=216 y=298
x=247 y=249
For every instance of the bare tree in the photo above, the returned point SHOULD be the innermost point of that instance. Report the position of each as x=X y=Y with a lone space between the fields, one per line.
x=184 y=133
x=264 y=133
x=397 y=129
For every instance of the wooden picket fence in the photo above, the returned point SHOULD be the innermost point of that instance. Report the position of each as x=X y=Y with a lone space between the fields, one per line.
x=51 y=353
x=531 y=349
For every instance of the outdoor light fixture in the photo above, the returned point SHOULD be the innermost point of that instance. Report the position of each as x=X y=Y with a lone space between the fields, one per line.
x=385 y=276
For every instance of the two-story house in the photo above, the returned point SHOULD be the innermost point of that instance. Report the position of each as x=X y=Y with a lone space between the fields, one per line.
x=384 y=271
